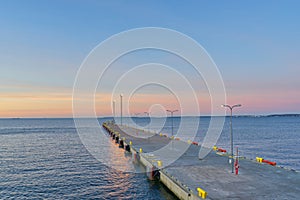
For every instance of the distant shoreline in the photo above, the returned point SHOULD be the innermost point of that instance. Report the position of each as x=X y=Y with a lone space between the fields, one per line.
x=205 y=116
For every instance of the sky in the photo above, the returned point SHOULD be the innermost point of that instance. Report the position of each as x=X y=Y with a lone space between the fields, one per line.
x=255 y=45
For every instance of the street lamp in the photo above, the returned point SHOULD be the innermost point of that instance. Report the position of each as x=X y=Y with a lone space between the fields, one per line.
x=121 y=102
x=114 y=110
x=231 y=134
x=172 y=111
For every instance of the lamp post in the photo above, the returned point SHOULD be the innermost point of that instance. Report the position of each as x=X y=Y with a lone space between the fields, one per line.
x=172 y=111
x=114 y=110
x=121 y=102
x=231 y=134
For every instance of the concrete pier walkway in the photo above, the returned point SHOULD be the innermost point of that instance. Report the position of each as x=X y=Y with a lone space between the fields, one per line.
x=211 y=178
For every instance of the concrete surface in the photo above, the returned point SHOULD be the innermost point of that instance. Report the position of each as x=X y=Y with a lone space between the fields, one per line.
x=213 y=173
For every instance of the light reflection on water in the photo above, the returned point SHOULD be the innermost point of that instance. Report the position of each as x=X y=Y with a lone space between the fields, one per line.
x=45 y=159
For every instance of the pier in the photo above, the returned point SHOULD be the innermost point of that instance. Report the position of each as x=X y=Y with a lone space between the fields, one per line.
x=210 y=178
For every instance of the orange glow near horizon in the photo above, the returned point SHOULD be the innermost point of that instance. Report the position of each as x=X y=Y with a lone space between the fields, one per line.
x=60 y=104
x=35 y=105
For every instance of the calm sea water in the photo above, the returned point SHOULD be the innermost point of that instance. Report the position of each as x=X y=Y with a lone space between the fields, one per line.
x=44 y=158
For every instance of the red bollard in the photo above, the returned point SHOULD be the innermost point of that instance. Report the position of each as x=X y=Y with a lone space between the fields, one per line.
x=236 y=164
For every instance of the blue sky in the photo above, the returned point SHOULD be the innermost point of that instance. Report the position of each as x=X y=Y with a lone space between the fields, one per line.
x=255 y=44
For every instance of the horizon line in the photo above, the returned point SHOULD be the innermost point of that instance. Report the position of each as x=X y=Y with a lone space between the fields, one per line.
x=242 y=115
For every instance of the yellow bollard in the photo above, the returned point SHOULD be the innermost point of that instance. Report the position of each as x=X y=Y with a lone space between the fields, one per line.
x=160 y=134
x=141 y=150
x=189 y=142
x=124 y=138
x=258 y=159
x=172 y=137
x=130 y=143
x=159 y=163
x=215 y=148
x=202 y=193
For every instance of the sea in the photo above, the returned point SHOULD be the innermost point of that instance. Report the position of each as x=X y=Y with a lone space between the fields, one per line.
x=45 y=158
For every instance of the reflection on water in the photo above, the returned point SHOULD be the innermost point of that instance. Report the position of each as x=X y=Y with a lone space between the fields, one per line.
x=46 y=159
